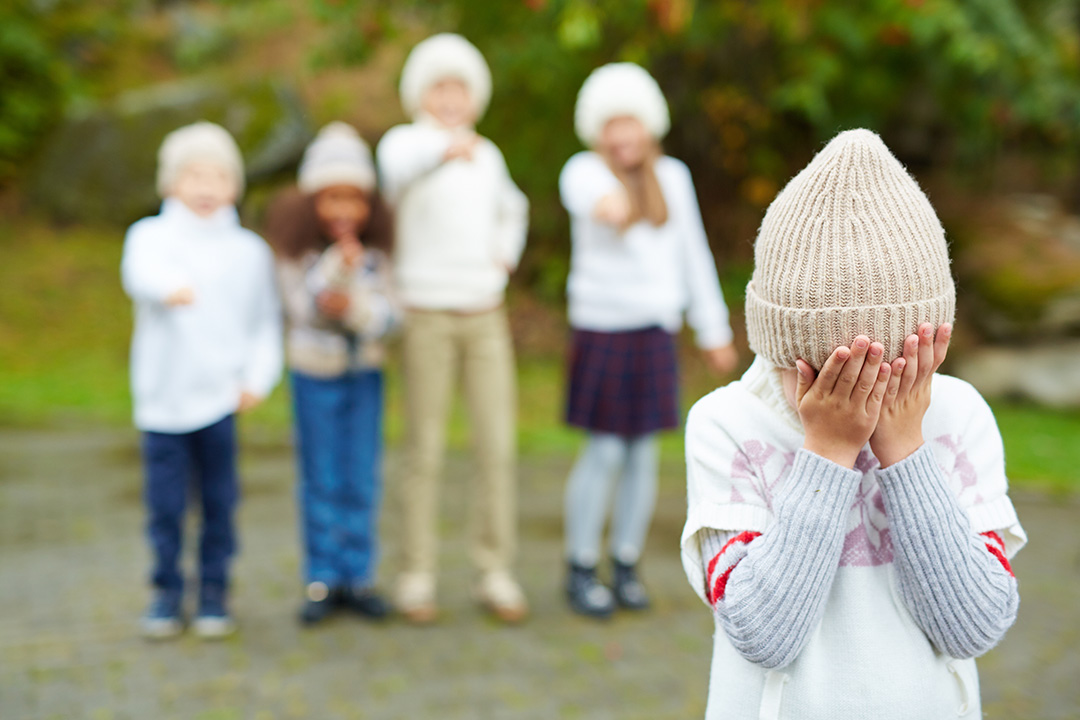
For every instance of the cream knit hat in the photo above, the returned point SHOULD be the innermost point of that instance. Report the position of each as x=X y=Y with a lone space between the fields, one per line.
x=337 y=156
x=199 y=141
x=618 y=89
x=851 y=246
x=442 y=56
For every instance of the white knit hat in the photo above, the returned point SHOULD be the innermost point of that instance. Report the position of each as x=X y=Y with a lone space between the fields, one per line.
x=200 y=141
x=851 y=246
x=442 y=56
x=337 y=156
x=615 y=90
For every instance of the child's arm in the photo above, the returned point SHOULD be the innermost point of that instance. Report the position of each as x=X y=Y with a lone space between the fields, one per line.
x=707 y=313
x=374 y=309
x=769 y=590
x=957 y=584
x=147 y=276
x=512 y=224
x=265 y=358
x=406 y=153
x=584 y=182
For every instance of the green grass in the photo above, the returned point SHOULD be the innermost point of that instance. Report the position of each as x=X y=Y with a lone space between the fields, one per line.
x=65 y=326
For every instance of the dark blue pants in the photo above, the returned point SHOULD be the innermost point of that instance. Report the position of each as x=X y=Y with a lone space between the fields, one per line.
x=339 y=443
x=203 y=461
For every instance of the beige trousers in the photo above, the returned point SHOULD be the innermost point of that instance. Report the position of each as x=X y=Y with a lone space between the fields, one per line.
x=437 y=346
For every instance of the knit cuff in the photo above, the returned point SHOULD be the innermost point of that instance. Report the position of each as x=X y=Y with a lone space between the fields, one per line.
x=817 y=486
x=917 y=482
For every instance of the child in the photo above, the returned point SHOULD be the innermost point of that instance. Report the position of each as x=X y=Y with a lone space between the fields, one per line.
x=460 y=230
x=848 y=521
x=206 y=345
x=640 y=258
x=331 y=236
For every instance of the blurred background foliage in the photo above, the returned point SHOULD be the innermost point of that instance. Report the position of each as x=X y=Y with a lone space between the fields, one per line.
x=979 y=98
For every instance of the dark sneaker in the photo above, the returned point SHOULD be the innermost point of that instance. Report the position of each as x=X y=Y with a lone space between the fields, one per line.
x=163 y=619
x=587 y=595
x=630 y=594
x=319 y=602
x=366 y=602
x=213 y=621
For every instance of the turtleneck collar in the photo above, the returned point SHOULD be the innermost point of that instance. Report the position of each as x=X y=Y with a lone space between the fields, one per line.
x=428 y=120
x=224 y=217
x=762 y=379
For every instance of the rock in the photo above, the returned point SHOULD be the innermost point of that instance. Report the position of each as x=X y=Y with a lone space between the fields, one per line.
x=100 y=164
x=1048 y=374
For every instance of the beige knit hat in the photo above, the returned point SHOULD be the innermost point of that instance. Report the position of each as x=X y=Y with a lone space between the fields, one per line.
x=337 y=156
x=851 y=246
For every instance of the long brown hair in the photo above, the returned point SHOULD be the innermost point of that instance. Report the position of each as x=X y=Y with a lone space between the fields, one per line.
x=642 y=188
x=292 y=226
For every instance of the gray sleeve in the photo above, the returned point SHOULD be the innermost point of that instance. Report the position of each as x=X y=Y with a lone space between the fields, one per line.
x=775 y=595
x=962 y=596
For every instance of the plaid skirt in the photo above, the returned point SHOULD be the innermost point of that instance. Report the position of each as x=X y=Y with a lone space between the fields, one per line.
x=624 y=383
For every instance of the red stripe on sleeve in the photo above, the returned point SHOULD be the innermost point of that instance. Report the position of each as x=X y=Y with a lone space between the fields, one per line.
x=716 y=590
x=996 y=546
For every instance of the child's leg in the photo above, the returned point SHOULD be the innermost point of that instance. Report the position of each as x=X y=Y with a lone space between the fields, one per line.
x=167 y=464
x=362 y=430
x=491 y=393
x=586 y=498
x=214 y=451
x=321 y=439
x=635 y=499
x=431 y=358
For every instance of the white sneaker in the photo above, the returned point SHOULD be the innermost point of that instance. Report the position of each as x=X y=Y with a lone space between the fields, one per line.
x=502 y=595
x=213 y=627
x=414 y=597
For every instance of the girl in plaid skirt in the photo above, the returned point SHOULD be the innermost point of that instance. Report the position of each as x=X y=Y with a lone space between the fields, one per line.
x=640 y=259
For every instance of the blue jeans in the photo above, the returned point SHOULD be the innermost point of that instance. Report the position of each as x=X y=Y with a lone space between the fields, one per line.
x=175 y=464
x=339 y=442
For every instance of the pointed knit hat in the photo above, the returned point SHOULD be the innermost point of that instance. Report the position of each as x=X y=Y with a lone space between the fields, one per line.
x=337 y=156
x=851 y=246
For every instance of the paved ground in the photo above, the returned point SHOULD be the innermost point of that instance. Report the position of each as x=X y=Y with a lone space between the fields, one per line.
x=72 y=563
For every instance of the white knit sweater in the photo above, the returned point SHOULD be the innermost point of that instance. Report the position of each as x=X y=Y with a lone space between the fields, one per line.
x=460 y=225
x=190 y=363
x=646 y=275
x=867 y=656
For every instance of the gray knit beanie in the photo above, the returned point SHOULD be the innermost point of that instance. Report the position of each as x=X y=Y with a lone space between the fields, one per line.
x=850 y=247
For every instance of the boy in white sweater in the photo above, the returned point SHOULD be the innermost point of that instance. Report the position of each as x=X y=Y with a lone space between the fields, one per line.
x=207 y=344
x=849 y=523
x=460 y=230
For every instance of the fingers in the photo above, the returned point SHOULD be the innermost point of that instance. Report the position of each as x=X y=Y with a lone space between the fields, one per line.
x=849 y=375
x=880 y=387
x=896 y=372
x=805 y=375
x=830 y=371
x=868 y=374
x=926 y=352
x=941 y=344
x=911 y=363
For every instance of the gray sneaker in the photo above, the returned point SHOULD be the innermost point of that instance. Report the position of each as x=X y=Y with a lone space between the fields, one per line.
x=163 y=619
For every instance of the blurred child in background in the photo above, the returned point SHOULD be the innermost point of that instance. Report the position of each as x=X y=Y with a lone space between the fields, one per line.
x=848 y=522
x=460 y=230
x=640 y=258
x=332 y=235
x=206 y=345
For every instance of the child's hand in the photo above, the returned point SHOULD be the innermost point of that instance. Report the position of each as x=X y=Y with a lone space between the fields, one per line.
x=613 y=209
x=721 y=360
x=332 y=303
x=352 y=251
x=183 y=296
x=899 y=430
x=839 y=407
x=461 y=147
x=247 y=401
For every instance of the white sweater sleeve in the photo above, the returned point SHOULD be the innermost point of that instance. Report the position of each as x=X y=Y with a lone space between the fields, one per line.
x=145 y=273
x=512 y=222
x=265 y=360
x=405 y=154
x=706 y=312
x=583 y=181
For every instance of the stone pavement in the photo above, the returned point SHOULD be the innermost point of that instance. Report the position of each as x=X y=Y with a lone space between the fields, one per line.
x=73 y=562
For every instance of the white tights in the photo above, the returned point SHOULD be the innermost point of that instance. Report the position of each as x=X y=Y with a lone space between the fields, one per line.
x=636 y=463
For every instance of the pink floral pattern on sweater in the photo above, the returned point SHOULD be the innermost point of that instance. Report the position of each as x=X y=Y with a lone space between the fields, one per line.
x=760 y=468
